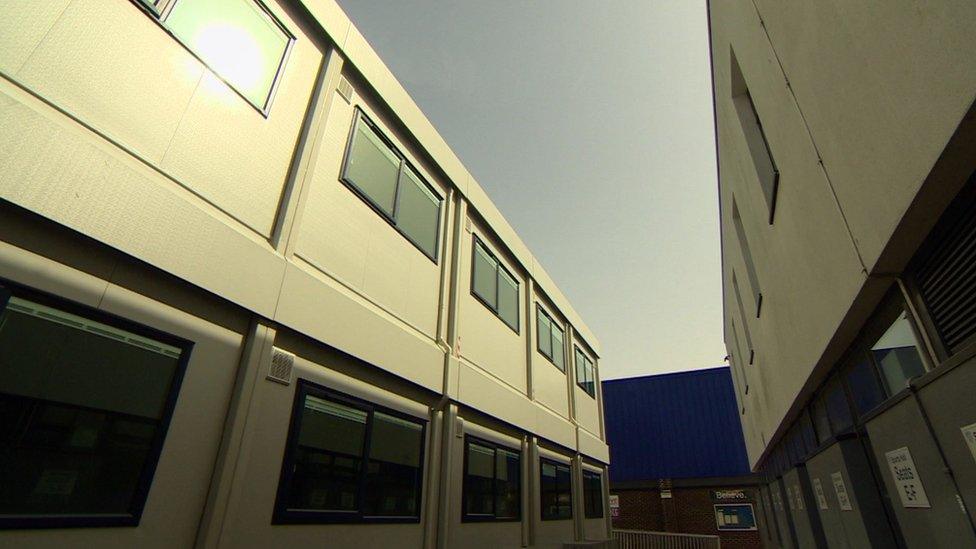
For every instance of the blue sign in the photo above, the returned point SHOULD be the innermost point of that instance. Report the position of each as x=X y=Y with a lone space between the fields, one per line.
x=737 y=516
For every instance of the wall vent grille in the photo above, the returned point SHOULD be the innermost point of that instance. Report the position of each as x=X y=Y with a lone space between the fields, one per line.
x=282 y=363
x=345 y=89
x=947 y=277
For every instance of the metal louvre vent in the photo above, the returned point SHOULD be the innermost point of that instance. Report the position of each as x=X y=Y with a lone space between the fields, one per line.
x=947 y=277
x=282 y=363
x=345 y=89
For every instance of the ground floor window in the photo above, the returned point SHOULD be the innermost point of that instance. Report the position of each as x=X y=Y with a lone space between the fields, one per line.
x=85 y=401
x=556 y=489
x=592 y=494
x=348 y=460
x=492 y=482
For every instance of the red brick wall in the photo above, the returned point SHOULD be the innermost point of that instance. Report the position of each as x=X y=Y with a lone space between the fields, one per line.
x=642 y=509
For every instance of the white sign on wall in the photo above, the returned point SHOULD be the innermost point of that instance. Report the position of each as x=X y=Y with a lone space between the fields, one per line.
x=906 y=478
x=841 y=489
x=799 y=496
x=818 y=490
x=969 y=433
x=614 y=505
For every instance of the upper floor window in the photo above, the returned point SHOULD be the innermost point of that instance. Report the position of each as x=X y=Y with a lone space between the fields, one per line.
x=755 y=136
x=494 y=286
x=492 y=482
x=240 y=40
x=349 y=461
x=585 y=374
x=592 y=494
x=550 y=338
x=380 y=174
x=556 y=490
x=85 y=402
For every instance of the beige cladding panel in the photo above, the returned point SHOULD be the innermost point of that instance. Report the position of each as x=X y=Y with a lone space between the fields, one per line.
x=806 y=264
x=23 y=23
x=485 y=340
x=882 y=87
x=344 y=237
x=549 y=385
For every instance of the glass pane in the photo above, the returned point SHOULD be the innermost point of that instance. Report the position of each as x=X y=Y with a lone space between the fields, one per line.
x=896 y=353
x=549 y=489
x=864 y=385
x=418 y=212
x=580 y=367
x=565 y=496
x=545 y=333
x=557 y=348
x=328 y=459
x=373 y=167
x=80 y=408
x=479 y=490
x=820 y=423
x=593 y=496
x=235 y=38
x=393 y=474
x=838 y=409
x=485 y=275
x=508 y=307
x=508 y=478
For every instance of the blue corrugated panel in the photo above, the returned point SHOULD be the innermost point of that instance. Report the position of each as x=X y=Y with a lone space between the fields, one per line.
x=677 y=425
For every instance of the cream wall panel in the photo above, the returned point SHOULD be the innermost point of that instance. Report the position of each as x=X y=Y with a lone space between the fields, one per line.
x=109 y=64
x=480 y=391
x=485 y=340
x=316 y=305
x=882 y=87
x=587 y=411
x=229 y=152
x=345 y=238
x=23 y=23
x=549 y=386
x=64 y=172
x=554 y=428
x=591 y=446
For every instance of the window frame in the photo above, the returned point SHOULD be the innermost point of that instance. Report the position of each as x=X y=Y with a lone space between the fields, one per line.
x=587 y=495
x=552 y=325
x=465 y=517
x=557 y=464
x=283 y=515
x=360 y=117
x=592 y=369
x=499 y=267
x=159 y=11
x=140 y=494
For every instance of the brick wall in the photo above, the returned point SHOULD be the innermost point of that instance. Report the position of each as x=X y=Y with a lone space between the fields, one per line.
x=643 y=509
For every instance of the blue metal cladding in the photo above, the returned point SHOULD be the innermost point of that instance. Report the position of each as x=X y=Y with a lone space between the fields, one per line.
x=677 y=425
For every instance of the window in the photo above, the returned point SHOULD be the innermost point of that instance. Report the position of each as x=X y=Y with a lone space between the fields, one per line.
x=762 y=156
x=585 y=375
x=494 y=286
x=550 y=338
x=556 y=490
x=85 y=402
x=238 y=39
x=740 y=233
x=349 y=461
x=592 y=495
x=378 y=173
x=821 y=425
x=838 y=409
x=896 y=352
x=864 y=384
x=492 y=482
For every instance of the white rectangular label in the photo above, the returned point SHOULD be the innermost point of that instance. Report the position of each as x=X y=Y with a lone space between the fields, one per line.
x=799 y=497
x=841 y=489
x=969 y=433
x=818 y=490
x=906 y=478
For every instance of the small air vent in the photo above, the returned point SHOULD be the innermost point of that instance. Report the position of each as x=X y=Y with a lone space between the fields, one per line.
x=282 y=363
x=947 y=277
x=345 y=89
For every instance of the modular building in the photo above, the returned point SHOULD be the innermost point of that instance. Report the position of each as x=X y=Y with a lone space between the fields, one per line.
x=679 y=458
x=250 y=298
x=846 y=139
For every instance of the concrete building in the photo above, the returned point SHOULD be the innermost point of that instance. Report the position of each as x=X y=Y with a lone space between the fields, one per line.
x=846 y=148
x=679 y=458
x=251 y=298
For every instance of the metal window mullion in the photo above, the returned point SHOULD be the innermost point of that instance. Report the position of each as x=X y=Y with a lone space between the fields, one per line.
x=396 y=191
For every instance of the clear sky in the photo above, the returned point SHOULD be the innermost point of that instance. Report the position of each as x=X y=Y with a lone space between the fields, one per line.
x=589 y=123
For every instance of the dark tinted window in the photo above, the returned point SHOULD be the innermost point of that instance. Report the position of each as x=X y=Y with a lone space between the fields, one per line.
x=349 y=461
x=494 y=285
x=864 y=385
x=84 y=405
x=838 y=409
x=556 y=490
x=550 y=338
x=821 y=425
x=492 y=482
x=592 y=494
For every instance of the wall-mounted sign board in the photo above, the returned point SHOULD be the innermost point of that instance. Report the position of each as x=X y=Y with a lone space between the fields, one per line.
x=819 y=492
x=906 y=478
x=735 y=516
x=841 y=489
